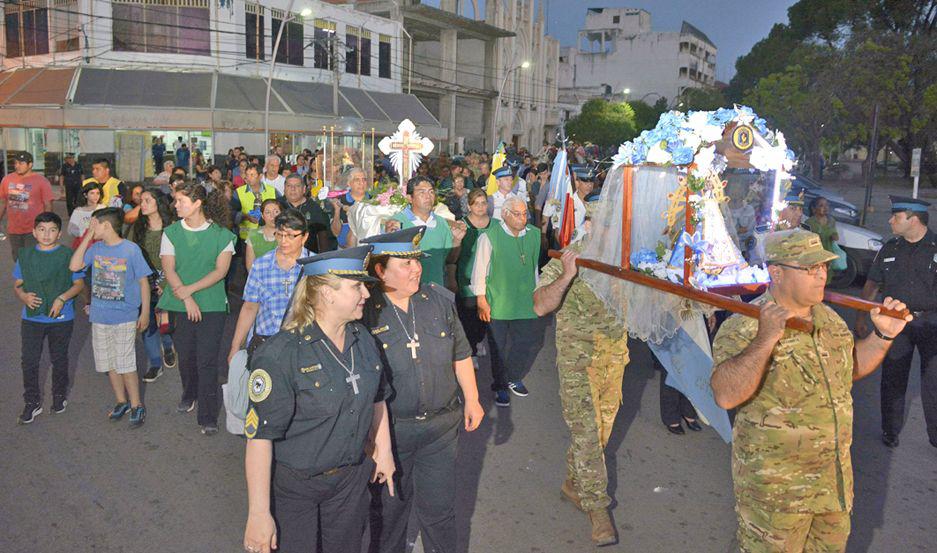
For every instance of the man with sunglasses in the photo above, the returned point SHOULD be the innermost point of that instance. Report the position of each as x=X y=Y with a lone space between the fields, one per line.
x=791 y=465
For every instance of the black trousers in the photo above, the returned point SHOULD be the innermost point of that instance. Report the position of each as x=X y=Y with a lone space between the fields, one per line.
x=197 y=346
x=895 y=371
x=425 y=478
x=474 y=327
x=73 y=195
x=58 y=335
x=514 y=346
x=328 y=509
x=673 y=404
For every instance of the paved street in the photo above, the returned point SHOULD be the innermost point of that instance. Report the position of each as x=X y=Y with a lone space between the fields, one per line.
x=75 y=482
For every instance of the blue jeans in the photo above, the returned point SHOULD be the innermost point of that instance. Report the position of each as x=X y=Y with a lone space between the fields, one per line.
x=152 y=340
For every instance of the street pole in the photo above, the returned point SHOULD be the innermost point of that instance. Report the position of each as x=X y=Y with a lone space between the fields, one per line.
x=504 y=81
x=336 y=75
x=873 y=148
x=273 y=62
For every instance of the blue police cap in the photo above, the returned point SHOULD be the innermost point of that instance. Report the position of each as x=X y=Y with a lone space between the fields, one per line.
x=584 y=173
x=904 y=203
x=351 y=263
x=503 y=171
x=795 y=197
x=402 y=243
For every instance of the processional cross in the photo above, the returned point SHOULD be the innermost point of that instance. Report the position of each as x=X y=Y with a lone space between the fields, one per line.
x=406 y=148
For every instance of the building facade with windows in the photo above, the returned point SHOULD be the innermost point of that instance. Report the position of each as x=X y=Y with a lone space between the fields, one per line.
x=465 y=62
x=618 y=55
x=105 y=77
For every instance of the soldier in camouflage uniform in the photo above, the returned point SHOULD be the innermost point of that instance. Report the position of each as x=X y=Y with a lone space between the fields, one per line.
x=591 y=365
x=791 y=466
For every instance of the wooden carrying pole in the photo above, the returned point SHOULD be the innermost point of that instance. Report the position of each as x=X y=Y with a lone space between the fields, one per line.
x=685 y=291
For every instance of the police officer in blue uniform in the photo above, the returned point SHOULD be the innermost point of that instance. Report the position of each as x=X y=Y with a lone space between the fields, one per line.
x=316 y=410
x=433 y=392
x=906 y=269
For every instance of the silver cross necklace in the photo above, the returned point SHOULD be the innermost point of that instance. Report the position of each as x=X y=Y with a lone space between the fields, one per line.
x=352 y=376
x=414 y=341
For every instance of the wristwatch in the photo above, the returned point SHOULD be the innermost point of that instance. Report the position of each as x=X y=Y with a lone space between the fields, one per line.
x=880 y=335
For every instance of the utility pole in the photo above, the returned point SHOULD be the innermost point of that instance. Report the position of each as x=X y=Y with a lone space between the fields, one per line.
x=336 y=74
x=870 y=157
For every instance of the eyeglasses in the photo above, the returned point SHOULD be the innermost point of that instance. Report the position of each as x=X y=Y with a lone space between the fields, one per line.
x=291 y=236
x=518 y=213
x=812 y=270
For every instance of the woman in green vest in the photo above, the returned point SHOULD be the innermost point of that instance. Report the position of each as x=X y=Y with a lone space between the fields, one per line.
x=261 y=240
x=196 y=253
x=476 y=222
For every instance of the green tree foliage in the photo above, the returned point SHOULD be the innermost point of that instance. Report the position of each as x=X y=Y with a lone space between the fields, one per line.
x=701 y=99
x=870 y=52
x=800 y=100
x=645 y=115
x=603 y=123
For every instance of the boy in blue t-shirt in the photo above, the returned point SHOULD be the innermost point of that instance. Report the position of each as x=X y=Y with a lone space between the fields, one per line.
x=120 y=306
x=46 y=286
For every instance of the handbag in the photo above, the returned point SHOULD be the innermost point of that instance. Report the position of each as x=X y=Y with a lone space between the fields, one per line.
x=838 y=264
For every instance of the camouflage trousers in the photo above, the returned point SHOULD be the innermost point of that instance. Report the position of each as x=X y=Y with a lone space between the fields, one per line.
x=590 y=374
x=762 y=531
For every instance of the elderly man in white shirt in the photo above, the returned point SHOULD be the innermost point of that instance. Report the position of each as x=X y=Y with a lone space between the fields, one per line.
x=272 y=176
x=504 y=278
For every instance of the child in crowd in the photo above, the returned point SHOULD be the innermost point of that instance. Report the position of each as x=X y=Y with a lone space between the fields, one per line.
x=120 y=306
x=90 y=202
x=47 y=288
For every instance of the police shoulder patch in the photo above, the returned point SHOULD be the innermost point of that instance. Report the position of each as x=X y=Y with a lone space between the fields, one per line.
x=260 y=385
x=251 y=423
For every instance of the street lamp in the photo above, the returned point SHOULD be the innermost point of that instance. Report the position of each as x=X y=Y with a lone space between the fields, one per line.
x=306 y=12
x=523 y=65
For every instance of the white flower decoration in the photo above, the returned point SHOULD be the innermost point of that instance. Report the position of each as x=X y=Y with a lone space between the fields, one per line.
x=658 y=155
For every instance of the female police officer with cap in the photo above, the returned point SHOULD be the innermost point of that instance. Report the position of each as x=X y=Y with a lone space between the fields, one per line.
x=428 y=360
x=316 y=403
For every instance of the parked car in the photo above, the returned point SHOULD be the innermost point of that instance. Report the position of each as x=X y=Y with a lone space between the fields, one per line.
x=861 y=245
x=840 y=209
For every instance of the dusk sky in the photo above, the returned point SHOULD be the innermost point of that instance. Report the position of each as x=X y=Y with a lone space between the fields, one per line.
x=733 y=25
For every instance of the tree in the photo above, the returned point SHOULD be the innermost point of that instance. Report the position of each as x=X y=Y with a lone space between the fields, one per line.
x=800 y=102
x=882 y=52
x=646 y=116
x=603 y=123
x=701 y=99
x=769 y=55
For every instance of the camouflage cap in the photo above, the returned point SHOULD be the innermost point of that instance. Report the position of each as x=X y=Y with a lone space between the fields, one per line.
x=796 y=245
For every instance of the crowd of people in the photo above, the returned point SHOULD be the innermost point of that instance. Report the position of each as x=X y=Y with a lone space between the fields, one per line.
x=363 y=352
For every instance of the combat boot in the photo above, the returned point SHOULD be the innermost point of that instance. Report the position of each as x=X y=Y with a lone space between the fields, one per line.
x=568 y=491
x=603 y=531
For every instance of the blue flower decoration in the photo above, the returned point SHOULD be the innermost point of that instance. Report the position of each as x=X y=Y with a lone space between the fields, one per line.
x=644 y=255
x=683 y=155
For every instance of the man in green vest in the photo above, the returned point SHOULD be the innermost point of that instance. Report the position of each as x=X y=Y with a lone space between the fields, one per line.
x=441 y=241
x=504 y=278
x=248 y=198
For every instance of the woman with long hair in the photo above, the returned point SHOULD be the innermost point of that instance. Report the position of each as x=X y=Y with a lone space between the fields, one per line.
x=88 y=203
x=196 y=254
x=316 y=390
x=147 y=232
x=262 y=240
